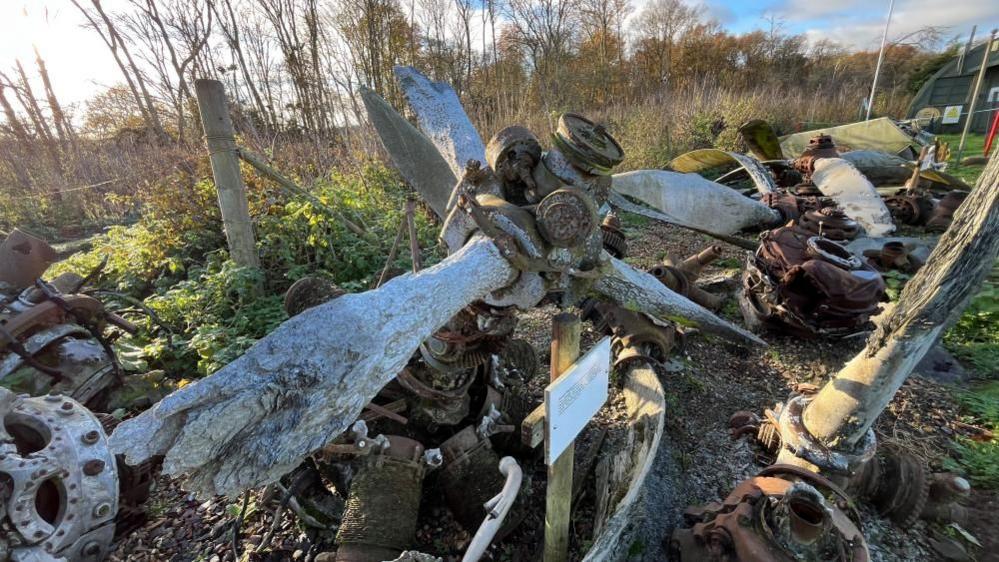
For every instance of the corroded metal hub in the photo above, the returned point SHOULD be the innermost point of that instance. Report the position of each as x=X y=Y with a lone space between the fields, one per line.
x=62 y=478
x=566 y=218
x=830 y=222
x=798 y=447
x=782 y=514
x=589 y=146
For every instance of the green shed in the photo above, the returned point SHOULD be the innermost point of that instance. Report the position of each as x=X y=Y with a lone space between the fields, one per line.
x=945 y=98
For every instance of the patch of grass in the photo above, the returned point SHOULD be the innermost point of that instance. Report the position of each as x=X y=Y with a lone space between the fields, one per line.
x=632 y=221
x=979 y=459
x=973 y=146
x=975 y=337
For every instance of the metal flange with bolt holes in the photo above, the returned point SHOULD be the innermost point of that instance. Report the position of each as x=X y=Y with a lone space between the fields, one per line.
x=58 y=480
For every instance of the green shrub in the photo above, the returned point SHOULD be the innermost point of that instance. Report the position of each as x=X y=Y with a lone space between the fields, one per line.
x=209 y=311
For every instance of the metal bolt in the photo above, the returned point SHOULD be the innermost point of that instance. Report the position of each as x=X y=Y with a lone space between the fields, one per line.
x=102 y=510
x=91 y=437
x=91 y=549
x=93 y=467
x=53 y=396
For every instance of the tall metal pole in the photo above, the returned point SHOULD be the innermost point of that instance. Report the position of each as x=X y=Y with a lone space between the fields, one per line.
x=881 y=57
x=970 y=115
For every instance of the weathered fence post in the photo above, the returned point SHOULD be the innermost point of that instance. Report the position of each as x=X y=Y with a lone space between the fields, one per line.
x=841 y=414
x=558 y=503
x=221 y=140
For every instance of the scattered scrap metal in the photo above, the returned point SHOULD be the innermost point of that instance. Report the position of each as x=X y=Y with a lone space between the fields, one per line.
x=63 y=494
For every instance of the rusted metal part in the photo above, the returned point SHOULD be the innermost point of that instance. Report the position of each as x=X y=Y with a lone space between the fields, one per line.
x=53 y=341
x=636 y=337
x=23 y=258
x=566 y=218
x=61 y=479
x=134 y=482
x=308 y=292
x=470 y=480
x=912 y=209
x=830 y=222
x=513 y=154
x=782 y=514
x=587 y=145
x=383 y=503
x=943 y=213
x=680 y=277
x=893 y=256
x=896 y=483
x=808 y=285
x=613 y=236
x=819 y=146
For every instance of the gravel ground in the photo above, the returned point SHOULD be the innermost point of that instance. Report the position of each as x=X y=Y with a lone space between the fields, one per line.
x=707 y=381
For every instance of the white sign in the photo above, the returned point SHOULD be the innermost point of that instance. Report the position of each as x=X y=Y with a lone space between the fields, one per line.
x=574 y=397
x=952 y=114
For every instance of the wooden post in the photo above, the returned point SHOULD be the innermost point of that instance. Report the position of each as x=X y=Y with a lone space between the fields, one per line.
x=221 y=140
x=558 y=503
x=974 y=97
x=414 y=242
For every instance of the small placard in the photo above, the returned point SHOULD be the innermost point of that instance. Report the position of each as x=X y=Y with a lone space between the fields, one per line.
x=952 y=114
x=575 y=397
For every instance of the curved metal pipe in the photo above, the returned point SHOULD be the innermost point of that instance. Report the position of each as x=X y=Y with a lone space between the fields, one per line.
x=497 y=509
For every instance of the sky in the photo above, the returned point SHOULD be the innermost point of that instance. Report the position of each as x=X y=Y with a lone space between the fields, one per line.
x=81 y=66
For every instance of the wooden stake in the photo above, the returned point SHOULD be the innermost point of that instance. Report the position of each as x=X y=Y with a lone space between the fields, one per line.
x=221 y=140
x=558 y=503
x=414 y=242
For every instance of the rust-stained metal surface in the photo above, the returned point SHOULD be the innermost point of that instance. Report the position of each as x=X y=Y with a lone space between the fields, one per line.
x=943 y=213
x=23 y=258
x=55 y=341
x=893 y=255
x=781 y=515
x=809 y=285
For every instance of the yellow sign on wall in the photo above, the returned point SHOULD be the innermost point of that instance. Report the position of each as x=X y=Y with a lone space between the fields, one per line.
x=952 y=114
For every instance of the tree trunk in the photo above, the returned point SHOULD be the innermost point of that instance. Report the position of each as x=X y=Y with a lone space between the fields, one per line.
x=847 y=406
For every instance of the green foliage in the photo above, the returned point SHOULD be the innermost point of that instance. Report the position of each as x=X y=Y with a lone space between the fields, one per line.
x=209 y=311
x=975 y=336
x=979 y=459
x=894 y=282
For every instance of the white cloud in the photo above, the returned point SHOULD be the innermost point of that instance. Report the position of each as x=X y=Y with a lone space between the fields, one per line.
x=862 y=29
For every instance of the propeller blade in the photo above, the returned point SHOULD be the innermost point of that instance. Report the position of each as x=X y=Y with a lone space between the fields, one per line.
x=697 y=161
x=638 y=290
x=411 y=151
x=858 y=198
x=762 y=140
x=442 y=118
x=302 y=385
x=692 y=200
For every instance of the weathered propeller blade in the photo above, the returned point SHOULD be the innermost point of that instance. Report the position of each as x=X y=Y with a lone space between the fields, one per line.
x=619 y=201
x=858 y=198
x=692 y=200
x=442 y=118
x=411 y=151
x=762 y=140
x=641 y=291
x=697 y=161
x=302 y=385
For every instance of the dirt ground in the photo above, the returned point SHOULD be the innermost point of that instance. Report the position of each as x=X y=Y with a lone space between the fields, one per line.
x=706 y=381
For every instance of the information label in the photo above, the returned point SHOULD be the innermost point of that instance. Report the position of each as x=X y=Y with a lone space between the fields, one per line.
x=952 y=114
x=575 y=397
